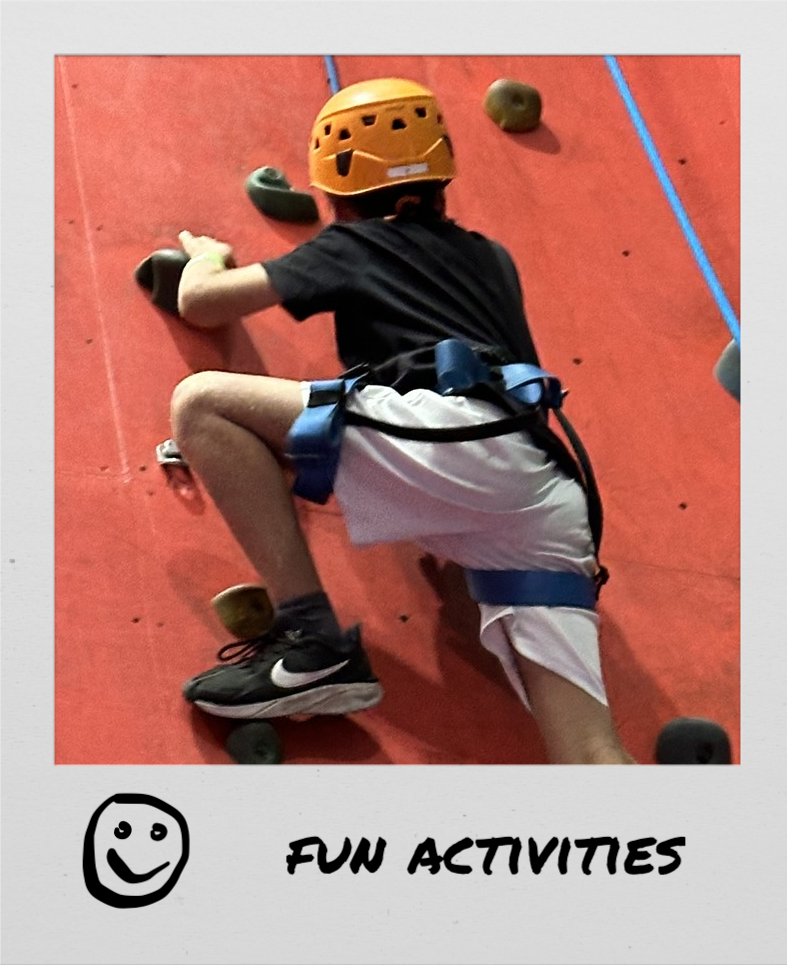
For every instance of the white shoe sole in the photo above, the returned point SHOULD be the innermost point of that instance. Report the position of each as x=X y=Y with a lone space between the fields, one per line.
x=332 y=699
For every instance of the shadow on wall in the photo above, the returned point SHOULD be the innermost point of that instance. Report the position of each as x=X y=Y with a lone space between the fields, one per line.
x=543 y=139
x=227 y=350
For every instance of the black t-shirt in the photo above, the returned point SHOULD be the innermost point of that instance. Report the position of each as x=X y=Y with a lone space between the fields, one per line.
x=398 y=287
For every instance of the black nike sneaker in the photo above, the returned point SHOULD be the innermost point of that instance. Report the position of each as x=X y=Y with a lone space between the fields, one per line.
x=286 y=672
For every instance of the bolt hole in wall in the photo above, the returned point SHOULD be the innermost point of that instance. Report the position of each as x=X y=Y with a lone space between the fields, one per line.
x=598 y=323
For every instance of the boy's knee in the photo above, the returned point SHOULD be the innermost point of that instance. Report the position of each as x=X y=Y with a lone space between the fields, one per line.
x=192 y=399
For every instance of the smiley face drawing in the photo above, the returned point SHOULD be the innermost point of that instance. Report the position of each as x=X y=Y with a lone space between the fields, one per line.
x=136 y=847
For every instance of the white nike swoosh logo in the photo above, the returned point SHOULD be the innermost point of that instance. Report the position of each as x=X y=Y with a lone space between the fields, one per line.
x=287 y=680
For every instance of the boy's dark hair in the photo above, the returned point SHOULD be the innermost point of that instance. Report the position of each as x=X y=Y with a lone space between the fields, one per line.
x=406 y=202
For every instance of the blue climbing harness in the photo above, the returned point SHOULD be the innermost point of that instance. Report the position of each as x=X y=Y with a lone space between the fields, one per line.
x=314 y=447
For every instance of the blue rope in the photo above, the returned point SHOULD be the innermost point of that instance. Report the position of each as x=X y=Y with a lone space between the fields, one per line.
x=333 y=76
x=717 y=291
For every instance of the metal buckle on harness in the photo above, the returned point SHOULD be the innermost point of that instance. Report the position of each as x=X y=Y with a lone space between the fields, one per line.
x=326 y=393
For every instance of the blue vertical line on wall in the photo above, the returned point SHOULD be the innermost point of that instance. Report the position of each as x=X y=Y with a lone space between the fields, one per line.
x=726 y=309
x=333 y=74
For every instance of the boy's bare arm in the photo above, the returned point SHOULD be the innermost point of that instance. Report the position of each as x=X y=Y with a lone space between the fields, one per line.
x=211 y=293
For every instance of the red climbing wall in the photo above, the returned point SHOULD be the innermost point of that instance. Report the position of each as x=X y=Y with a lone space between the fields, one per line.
x=618 y=307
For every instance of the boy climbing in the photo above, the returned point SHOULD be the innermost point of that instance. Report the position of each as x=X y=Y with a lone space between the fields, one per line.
x=430 y=324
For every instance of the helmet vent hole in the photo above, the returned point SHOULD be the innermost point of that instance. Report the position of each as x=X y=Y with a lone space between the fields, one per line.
x=369 y=119
x=398 y=124
x=327 y=129
x=439 y=118
x=316 y=143
x=343 y=159
x=420 y=111
x=344 y=134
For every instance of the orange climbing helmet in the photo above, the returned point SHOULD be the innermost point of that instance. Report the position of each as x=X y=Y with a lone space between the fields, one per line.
x=379 y=133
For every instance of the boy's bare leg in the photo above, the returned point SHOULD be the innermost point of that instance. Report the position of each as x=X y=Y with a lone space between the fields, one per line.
x=231 y=430
x=576 y=728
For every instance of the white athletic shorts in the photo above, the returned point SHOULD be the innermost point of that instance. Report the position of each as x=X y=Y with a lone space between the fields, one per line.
x=495 y=503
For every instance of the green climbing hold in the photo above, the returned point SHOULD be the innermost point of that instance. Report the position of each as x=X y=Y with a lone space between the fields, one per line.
x=513 y=106
x=271 y=193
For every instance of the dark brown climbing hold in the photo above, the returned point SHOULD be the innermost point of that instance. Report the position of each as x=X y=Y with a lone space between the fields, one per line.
x=270 y=192
x=160 y=274
x=254 y=742
x=728 y=370
x=693 y=740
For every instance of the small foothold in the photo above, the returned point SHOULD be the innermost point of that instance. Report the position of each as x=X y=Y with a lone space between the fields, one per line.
x=513 y=106
x=254 y=742
x=577 y=361
x=693 y=740
x=683 y=505
x=625 y=253
x=168 y=454
x=245 y=610
x=160 y=275
x=270 y=192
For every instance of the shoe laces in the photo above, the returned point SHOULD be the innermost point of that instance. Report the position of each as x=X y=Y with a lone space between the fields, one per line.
x=255 y=648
